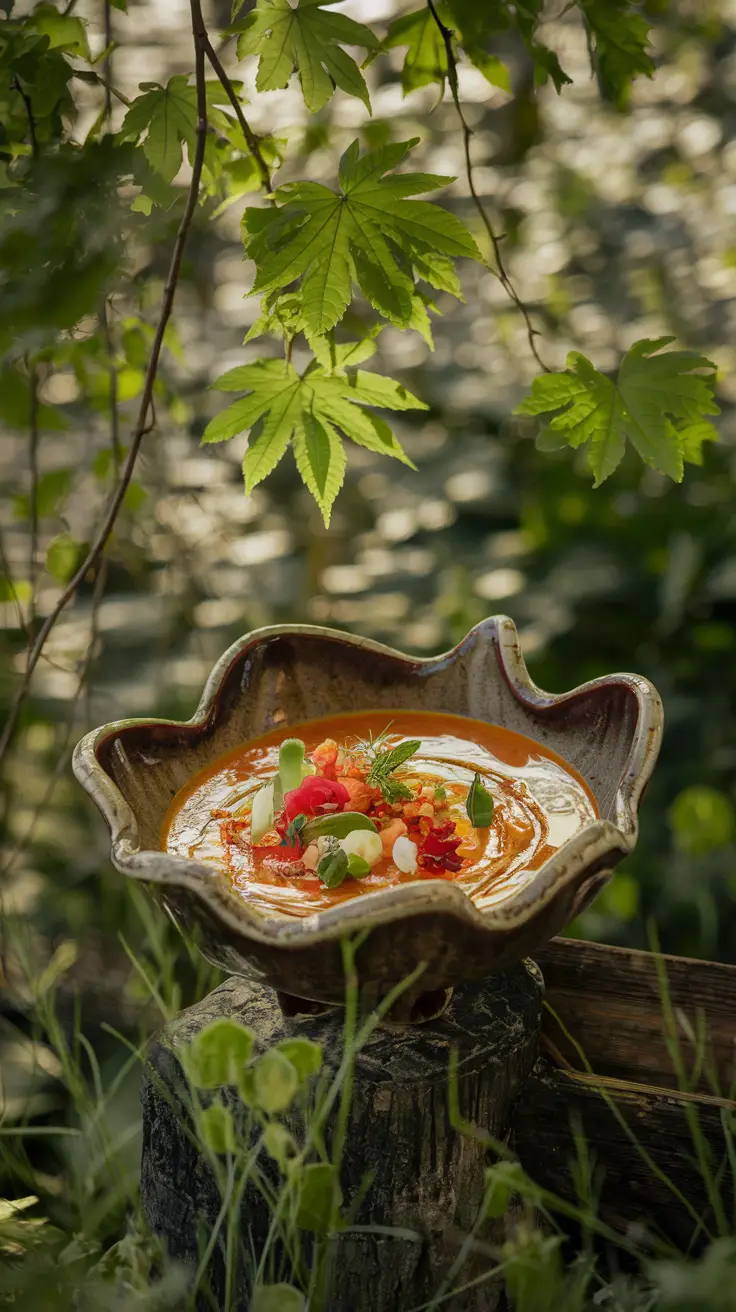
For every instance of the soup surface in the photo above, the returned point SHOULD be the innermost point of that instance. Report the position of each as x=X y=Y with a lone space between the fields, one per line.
x=469 y=802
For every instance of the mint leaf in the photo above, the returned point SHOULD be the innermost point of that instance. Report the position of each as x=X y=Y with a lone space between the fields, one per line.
x=370 y=231
x=309 y=38
x=309 y=411
x=657 y=402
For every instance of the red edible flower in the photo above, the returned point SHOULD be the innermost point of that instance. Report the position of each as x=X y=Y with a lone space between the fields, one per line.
x=439 y=848
x=315 y=796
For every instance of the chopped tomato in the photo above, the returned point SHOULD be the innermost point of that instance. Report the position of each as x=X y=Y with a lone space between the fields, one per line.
x=361 y=795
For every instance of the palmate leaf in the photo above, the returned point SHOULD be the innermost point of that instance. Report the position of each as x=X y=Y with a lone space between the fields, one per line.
x=309 y=411
x=620 y=41
x=657 y=402
x=370 y=232
x=311 y=38
x=168 y=116
x=426 y=57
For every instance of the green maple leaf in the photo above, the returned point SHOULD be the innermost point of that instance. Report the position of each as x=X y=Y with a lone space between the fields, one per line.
x=426 y=57
x=657 y=402
x=309 y=38
x=369 y=232
x=310 y=412
x=620 y=40
x=168 y=116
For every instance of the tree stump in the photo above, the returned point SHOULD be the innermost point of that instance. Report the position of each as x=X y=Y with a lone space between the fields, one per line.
x=427 y=1176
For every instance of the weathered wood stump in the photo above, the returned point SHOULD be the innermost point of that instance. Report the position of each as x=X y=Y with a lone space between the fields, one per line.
x=427 y=1177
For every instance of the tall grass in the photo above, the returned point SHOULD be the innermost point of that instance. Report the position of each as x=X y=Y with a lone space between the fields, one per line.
x=72 y=1234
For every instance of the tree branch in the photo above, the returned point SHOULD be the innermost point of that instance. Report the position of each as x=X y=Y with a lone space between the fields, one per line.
x=503 y=277
x=33 y=497
x=29 y=116
x=250 y=136
x=107 y=67
x=142 y=425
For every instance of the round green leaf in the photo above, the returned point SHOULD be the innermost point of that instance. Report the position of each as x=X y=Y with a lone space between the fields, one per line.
x=218 y=1131
x=277 y=1298
x=218 y=1054
x=278 y=1143
x=305 y=1056
x=275 y=1081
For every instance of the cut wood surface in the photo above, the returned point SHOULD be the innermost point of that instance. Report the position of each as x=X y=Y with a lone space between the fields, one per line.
x=610 y=1001
x=645 y=1168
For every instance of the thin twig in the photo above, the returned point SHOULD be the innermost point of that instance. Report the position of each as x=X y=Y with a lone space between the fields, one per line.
x=112 y=374
x=5 y=564
x=142 y=425
x=250 y=136
x=107 y=66
x=33 y=496
x=29 y=116
x=41 y=808
x=503 y=277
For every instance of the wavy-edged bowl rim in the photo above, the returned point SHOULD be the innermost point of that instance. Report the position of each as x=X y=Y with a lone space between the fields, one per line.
x=594 y=846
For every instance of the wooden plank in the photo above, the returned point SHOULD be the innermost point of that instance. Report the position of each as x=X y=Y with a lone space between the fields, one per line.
x=609 y=1000
x=557 y=1104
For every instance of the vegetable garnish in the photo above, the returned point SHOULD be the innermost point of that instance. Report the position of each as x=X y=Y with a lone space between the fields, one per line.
x=344 y=812
x=333 y=868
x=479 y=805
x=383 y=766
x=337 y=825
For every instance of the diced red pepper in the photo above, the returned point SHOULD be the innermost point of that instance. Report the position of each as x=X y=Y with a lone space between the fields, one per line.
x=439 y=848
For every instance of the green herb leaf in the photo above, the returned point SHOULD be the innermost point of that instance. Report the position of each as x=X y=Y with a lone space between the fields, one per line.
x=333 y=868
x=311 y=39
x=294 y=829
x=337 y=825
x=479 y=805
x=358 y=867
x=657 y=402
x=386 y=762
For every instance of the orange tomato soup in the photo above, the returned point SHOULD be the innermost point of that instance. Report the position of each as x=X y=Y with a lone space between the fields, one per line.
x=539 y=802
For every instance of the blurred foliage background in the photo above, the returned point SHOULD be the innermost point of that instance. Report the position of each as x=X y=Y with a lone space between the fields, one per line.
x=618 y=225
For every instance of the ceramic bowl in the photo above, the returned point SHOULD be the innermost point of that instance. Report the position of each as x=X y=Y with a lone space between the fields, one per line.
x=609 y=729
